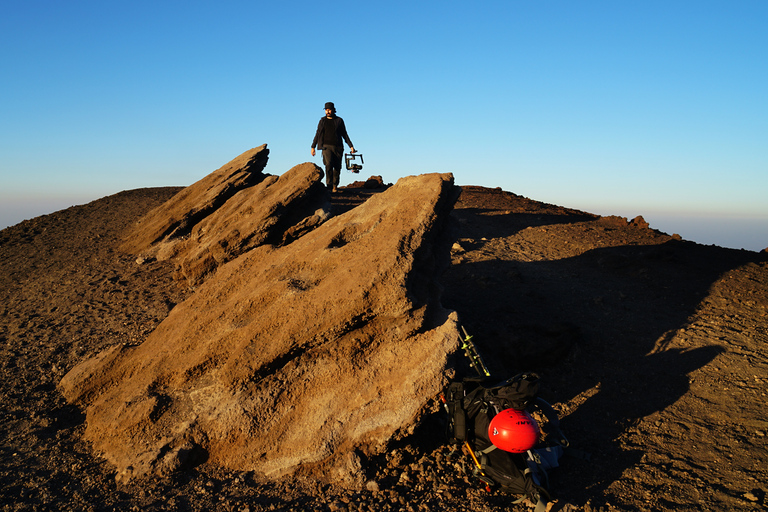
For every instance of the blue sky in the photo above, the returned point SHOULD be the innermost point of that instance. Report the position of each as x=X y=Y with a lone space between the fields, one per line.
x=644 y=108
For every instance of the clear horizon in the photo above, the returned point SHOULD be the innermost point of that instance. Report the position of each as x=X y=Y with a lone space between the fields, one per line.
x=654 y=108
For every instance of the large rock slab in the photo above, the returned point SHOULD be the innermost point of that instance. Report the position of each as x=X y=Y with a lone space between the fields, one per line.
x=277 y=210
x=292 y=359
x=177 y=216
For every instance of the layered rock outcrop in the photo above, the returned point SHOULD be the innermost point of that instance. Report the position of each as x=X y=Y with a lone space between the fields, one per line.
x=176 y=217
x=297 y=358
x=229 y=213
x=277 y=210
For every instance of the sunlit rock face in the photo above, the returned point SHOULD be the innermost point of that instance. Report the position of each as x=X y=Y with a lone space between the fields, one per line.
x=292 y=358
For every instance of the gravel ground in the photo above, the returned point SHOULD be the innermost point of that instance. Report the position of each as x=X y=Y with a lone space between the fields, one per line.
x=652 y=349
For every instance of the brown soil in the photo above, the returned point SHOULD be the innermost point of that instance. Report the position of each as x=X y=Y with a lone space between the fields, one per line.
x=653 y=350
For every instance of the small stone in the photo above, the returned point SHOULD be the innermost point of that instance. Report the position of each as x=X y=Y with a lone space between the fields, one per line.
x=372 y=485
x=751 y=497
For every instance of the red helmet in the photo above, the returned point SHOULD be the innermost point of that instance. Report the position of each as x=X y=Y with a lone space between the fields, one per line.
x=513 y=431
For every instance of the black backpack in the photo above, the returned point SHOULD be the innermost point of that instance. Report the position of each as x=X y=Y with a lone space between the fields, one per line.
x=471 y=405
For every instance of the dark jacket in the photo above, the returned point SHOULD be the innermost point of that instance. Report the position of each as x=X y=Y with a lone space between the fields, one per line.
x=330 y=133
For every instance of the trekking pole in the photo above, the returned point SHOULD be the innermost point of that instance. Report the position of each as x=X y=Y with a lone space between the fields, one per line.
x=475 y=361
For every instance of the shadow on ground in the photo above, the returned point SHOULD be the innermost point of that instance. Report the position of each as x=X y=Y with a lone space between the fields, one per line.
x=595 y=325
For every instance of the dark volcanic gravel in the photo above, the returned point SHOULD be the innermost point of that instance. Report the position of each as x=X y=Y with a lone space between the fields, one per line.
x=652 y=349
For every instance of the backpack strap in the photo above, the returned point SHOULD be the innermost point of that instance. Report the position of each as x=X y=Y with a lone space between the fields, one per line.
x=540 y=495
x=457 y=416
x=553 y=421
x=482 y=455
x=541 y=502
x=535 y=458
x=488 y=450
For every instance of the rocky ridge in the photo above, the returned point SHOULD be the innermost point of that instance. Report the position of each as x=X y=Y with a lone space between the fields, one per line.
x=288 y=357
x=658 y=368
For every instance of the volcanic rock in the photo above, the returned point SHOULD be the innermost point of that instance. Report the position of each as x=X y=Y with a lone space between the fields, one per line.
x=176 y=217
x=277 y=210
x=374 y=182
x=305 y=358
x=640 y=222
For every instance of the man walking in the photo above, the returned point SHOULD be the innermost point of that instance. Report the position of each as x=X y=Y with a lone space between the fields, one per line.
x=330 y=132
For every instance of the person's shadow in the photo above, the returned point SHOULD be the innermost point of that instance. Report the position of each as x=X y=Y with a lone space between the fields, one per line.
x=597 y=327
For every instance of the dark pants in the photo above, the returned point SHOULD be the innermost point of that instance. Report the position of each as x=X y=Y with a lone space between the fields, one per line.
x=332 y=160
